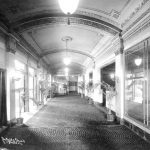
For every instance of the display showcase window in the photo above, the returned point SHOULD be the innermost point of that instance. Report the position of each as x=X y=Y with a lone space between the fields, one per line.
x=32 y=88
x=137 y=86
x=19 y=81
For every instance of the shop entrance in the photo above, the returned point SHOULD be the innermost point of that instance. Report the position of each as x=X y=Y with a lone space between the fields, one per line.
x=107 y=76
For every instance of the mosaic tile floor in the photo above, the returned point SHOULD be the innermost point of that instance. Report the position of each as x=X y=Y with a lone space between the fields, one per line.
x=70 y=123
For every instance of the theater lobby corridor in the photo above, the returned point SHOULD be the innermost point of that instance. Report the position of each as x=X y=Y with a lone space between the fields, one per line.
x=71 y=123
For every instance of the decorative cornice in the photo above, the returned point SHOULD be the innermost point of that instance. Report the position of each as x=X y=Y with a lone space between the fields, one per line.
x=28 y=23
x=134 y=13
x=94 y=13
x=138 y=29
x=97 y=16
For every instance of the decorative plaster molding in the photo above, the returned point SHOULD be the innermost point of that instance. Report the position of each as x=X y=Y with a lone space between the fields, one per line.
x=11 y=51
x=117 y=46
x=74 y=19
x=138 y=29
x=99 y=17
x=120 y=48
x=134 y=13
x=94 y=13
x=112 y=13
x=117 y=52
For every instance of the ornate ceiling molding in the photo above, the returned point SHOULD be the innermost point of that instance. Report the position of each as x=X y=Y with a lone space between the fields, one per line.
x=94 y=13
x=137 y=29
x=97 y=16
x=134 y=13
x=31 y=22
x=112 y=13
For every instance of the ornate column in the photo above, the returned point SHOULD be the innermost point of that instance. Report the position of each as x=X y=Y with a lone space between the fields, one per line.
x=10 y=67
x=119 y=76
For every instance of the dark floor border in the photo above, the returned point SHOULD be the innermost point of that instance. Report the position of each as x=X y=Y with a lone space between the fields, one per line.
x=140 y=132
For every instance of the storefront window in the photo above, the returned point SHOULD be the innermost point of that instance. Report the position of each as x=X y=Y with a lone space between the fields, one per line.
x=137 y=85
x=19 y=80
x=32 y=88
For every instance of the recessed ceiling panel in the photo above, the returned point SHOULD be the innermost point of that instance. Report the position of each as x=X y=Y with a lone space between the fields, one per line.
x=105 y=6
x=50 y=37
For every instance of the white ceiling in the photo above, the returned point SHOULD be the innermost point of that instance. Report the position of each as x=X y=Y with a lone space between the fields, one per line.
x=42 y=25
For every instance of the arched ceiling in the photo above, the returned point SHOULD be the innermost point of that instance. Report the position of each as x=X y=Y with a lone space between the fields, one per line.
x=42 y=25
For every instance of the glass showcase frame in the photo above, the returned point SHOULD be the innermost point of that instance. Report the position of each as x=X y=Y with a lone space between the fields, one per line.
x=137 y=82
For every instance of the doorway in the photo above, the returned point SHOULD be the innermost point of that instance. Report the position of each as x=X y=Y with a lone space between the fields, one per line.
x=3 y=111
x=107 y=76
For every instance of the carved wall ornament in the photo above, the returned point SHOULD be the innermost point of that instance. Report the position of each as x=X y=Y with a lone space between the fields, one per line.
x=11 y=44
x=117 y=52
x=118 y=45
x=121 y=43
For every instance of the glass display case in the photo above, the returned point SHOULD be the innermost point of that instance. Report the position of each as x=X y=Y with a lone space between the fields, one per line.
x=137 y=84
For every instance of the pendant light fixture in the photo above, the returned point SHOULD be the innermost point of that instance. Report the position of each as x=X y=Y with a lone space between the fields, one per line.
x=67 y=59
x=68 y=6
x=66 y=71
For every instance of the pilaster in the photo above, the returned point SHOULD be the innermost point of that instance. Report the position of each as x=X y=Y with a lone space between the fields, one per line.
x=119 y=76
x=97 y=96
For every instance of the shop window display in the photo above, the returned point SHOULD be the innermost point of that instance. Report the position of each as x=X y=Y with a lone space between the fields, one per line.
x=137 y=95
x=19 y=80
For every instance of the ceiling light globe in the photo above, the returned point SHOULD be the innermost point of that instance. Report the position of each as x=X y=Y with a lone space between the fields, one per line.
x=66 y=70
x=68 y=6
x=67 y=61
x=112 y=75
x=138 y=61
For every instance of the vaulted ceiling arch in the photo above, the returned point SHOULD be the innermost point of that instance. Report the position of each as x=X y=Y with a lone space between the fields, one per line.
x=59 y=18
x=68 y=51
x=40 y=25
